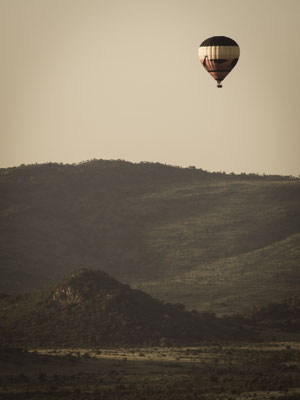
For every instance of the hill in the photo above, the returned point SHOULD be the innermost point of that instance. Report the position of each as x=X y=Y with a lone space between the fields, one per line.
x=89 y=308
x=204 y=239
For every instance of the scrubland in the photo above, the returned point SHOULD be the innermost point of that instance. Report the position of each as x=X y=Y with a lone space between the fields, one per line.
x=207 y=371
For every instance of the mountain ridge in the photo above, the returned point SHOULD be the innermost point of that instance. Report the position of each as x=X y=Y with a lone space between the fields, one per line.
x=142 y=222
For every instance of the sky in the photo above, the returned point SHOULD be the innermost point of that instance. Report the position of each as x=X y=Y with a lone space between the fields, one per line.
x=121 y=79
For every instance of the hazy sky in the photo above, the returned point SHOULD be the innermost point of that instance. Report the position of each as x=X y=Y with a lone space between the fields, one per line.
x=120 y=79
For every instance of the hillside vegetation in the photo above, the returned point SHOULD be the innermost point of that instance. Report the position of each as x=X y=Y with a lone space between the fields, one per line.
x=208 y=240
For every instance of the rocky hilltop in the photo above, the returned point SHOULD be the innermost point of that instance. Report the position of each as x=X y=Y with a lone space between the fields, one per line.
x=86 y=285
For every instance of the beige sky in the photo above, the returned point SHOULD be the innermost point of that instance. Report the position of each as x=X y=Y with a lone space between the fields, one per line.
x=120 y=79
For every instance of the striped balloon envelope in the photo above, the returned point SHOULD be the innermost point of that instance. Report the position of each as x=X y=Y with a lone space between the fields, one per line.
x=219 y=55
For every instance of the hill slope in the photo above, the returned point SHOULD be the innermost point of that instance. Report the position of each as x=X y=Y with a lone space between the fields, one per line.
x=89 y=308
x=142 y=222
x=236 y=284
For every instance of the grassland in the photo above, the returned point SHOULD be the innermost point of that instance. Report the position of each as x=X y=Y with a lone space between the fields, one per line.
x=211 y=371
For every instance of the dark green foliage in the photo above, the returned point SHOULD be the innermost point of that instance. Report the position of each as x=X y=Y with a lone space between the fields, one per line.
x=284 y=317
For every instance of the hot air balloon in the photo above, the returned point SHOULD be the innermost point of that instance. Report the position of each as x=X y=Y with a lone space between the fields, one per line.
x=219 y=55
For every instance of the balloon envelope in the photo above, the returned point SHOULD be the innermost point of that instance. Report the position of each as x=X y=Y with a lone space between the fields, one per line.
x=219 y=55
